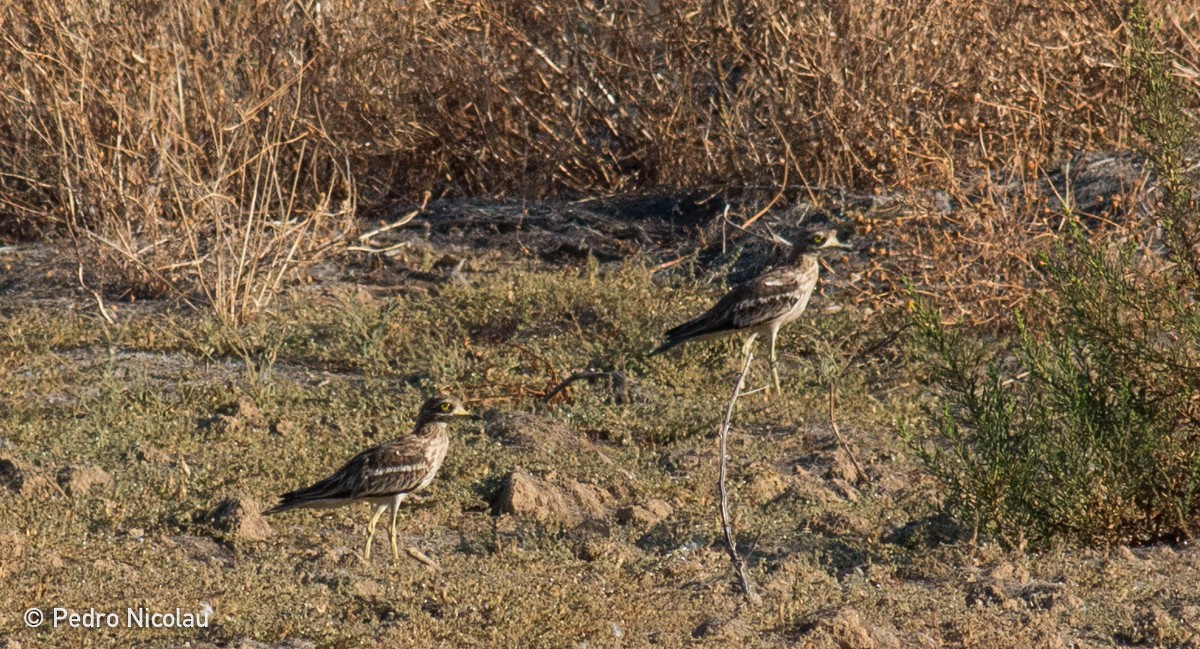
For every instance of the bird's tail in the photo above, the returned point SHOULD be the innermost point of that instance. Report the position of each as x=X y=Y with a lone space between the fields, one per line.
x=670 y=344
x=307 y=497
x=701 y=327
x=286 y=502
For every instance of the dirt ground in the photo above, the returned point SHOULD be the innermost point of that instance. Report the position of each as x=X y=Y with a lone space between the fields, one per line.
x=136 y=457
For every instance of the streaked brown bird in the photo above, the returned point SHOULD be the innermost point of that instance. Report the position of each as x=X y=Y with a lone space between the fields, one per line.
x=384 y=475
x=766 y=302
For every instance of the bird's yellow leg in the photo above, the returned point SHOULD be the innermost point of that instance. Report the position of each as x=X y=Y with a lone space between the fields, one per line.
x=395 y=509
x=371 y=531
x=774 y=364
x=748 y=346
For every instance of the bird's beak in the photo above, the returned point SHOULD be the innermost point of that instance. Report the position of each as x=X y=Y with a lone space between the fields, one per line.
x=460 y=411
x=835 y=242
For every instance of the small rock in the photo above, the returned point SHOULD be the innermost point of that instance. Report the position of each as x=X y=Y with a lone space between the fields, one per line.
x=644 y=515
x=809 y=487
x=986 y=592
x=367 y=589
x=567 y=502
x=836 y=524
x=241 y=518
x=12 y=545
x=152 y=455
x=844 y=489
x=843 y=467
x=79 y=479
x=844 y=628
x=1006 y=571
x=21 y=478
x=849 y=631
x=765 y=484
x=683 y=462
x=593 y=549
x=238 y=416
x=720 y=628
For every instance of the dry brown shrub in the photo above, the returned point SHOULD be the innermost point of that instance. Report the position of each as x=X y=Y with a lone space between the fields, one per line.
x=525 y=98
x=177 y=145
x=183 y=139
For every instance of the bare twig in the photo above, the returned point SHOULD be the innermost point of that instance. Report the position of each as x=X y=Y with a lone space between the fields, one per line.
x=400 y=222
x=422 y=557
x=577 y=376
x=838 y=433
x=674 y=262
x=782 y=188
x=726 y=524
x=95 y=294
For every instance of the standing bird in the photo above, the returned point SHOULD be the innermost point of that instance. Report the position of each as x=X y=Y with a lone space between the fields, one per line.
x=383 y=475
x=766 y=302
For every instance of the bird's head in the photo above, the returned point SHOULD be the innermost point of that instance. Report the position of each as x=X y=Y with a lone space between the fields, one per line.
x=818 y=241
x=442 y=409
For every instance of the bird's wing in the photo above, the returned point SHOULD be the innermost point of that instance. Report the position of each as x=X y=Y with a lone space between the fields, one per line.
x=759 y=301
x=392 y=468
x=765 y=299
x=384 y=470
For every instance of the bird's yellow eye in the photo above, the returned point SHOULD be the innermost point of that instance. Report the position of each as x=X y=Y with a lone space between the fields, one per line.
x=444 y=406
x=818 y=239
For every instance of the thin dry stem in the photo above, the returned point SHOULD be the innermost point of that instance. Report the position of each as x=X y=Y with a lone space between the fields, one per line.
x=739 y=566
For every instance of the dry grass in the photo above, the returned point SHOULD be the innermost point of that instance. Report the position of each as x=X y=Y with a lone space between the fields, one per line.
x=207 y=151
x=149 y=399
x=178 y=147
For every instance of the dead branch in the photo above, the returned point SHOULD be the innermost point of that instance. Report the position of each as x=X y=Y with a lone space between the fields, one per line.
x=739 y=567
x=577 y=376
x=838 y=433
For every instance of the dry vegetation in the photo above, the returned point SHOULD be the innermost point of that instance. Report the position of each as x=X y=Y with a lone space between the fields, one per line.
x=207 y=150
x=216 y=154
x=118 y=461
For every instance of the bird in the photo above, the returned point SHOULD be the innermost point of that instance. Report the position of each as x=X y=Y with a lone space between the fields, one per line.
x=766 y=302
x=385 y=474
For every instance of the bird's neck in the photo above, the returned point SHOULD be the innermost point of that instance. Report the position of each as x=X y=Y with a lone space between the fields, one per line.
x=430 y=429
x=804 y=260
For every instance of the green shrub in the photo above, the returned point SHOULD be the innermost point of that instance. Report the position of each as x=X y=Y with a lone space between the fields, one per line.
x=1086 y=429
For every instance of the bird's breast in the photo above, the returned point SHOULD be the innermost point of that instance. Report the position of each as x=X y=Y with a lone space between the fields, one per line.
x=435 y=454
x=803 y=281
